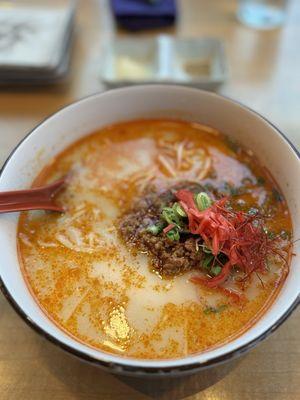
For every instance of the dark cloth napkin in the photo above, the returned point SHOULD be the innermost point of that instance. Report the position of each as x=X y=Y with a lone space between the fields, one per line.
x=136 y=15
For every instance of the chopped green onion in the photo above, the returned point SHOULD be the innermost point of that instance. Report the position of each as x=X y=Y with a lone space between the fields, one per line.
x=206 y=249
x=157 y=228
x=169 y=215
x=203 y=201
x=209 y=187
x=216 y=270
x=276 y=195
x=260 y=181
x=228 y=189
x=268 y=265
x=173 y=235
x=232 y=144
x=285 y=234
x=179 y=210
x=215 y=310
x=207 y=260
x=252 y=211
x=270 y=234
x=173 y=215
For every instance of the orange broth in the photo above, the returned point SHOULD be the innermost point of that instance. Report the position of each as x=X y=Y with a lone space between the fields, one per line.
x=99 y=291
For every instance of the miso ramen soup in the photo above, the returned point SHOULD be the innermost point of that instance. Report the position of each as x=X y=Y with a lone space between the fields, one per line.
x=174 y=240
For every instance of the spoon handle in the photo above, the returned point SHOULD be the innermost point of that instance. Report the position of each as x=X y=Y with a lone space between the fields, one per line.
x=41 y=198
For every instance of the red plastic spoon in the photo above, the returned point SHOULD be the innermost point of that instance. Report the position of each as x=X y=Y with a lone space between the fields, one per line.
x=41 y=198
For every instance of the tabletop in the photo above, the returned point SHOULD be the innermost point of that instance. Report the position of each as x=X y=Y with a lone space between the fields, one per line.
x=265 y=75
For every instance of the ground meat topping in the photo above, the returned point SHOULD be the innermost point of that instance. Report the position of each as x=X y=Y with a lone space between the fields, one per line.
x=168 y=257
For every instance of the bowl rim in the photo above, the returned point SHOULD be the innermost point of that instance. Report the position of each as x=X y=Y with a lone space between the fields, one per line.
x=119 y=366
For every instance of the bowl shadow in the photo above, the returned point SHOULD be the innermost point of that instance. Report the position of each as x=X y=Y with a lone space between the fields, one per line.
x=84 y=380
x=179 y=387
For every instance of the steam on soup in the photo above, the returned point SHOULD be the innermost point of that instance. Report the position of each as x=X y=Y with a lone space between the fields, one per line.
x=174 y=240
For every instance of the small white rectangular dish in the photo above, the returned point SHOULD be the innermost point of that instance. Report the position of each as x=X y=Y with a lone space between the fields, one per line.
x=35 y=41
x=198 y=62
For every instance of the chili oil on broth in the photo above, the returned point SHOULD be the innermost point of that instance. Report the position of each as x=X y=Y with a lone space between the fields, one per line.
x=91 y=283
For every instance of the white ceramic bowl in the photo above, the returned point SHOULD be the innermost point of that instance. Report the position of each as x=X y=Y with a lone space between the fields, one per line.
x=91 y=113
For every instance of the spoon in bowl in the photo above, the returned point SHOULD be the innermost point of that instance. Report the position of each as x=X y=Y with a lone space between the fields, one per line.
x=41 y=198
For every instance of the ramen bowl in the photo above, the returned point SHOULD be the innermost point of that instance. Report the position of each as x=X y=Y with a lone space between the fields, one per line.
x=145 y=102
